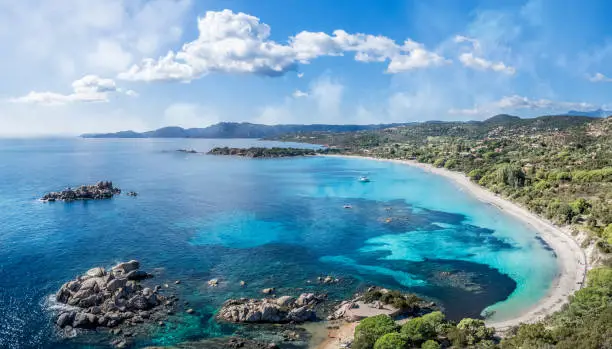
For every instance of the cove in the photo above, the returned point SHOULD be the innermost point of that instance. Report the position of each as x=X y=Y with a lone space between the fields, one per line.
x=274 y=223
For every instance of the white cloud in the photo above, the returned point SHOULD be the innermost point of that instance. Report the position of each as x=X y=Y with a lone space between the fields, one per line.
x=475 y=43
x=299 y=94
x=516 y=102
x=90 y=88
x=231 y=42
x=300 y=75
x=189 y=115
x=65 y=39
x=599 y=77
x=469 y=60
x=416 y=57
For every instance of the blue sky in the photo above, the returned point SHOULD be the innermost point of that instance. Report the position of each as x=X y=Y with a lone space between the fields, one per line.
x=75 y=66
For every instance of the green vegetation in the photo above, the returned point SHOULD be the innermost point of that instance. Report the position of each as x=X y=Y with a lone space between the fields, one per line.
x=585 y=323
x=427 y=331
x=391 y=340
x=371 y=329
x=262 y=152
x=408 y=302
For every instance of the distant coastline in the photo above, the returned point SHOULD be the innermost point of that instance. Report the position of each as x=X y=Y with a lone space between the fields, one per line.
x=239 y=130
x=571 y=258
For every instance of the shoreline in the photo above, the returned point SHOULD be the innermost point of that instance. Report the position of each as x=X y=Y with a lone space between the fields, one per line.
x=571 y=258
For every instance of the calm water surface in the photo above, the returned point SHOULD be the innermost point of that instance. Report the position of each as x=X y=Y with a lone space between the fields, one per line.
x=273 y=223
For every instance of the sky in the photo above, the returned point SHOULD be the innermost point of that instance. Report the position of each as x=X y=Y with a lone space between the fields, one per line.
x=72 y=66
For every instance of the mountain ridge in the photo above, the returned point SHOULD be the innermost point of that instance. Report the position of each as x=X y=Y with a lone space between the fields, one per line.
x=238 y=130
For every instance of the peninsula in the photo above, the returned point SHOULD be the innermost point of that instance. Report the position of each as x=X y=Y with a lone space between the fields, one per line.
x=259 y=152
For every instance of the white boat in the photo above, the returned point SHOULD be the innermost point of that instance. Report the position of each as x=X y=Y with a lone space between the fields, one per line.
x=364 y=179
x=348 y=206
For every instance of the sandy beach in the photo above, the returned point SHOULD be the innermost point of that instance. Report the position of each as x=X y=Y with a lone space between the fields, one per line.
x=571 y=258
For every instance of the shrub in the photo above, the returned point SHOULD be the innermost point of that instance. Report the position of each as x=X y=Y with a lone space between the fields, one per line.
x=392 y=340
x=607 y=234
x=475 y=330
x=542 y=185
x=371 y=329
x=580 y=206
x=476 y=174
x=511 y=175
x=439 y=162
x=450 y=163
x=530 y=336
x=422 y=328
x=430 y=344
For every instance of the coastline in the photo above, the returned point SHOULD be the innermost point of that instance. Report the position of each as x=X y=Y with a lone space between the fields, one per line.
x=571 y=259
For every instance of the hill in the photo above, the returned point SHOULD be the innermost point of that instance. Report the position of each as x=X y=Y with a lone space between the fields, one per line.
x=599 y=113
x=238 y=130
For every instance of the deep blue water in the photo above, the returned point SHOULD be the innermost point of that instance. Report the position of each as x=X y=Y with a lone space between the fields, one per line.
x=273 y=223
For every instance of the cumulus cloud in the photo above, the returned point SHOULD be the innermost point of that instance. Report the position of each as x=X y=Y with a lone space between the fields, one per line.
x=90 y=88
x=599 y=77
x=471 y=60
x=516 y=102
x=231 y=42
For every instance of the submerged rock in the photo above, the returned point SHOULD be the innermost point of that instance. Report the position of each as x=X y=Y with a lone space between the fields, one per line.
x=100 y=190
x=281 y=310
x=109 y=299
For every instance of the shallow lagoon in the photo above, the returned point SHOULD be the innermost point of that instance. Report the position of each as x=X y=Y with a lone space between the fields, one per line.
x=273 y=223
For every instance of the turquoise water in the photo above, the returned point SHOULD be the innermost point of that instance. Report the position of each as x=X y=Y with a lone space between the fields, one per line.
x=273 y=223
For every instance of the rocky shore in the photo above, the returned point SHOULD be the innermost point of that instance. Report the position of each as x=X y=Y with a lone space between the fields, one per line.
x=98 y=191
x=271 y=310
x=376 y=301
x=255 y=152
x=114 y=300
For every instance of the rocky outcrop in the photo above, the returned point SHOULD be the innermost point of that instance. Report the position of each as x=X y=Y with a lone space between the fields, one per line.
x=100 y=190
x=188 y=151
x=101 y=298
x=281 y=310
x=377 y=301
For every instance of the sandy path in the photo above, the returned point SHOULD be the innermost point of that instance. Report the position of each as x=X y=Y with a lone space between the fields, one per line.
x=570 y=257
x=337 y=336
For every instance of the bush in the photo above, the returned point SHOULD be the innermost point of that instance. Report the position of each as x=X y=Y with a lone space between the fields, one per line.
x=450 y=164
x=476 y=174
x=542 y=185
x=371 y=329
x=607 y=234
x=580 y=206
x=422 y=328
x=510 y=175
x=439 y=162
x=392 y=340
x=475 y=330
x=430 y=344
x=530 y=336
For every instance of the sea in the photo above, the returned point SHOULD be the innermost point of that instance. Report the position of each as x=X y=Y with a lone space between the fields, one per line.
x=278 y=223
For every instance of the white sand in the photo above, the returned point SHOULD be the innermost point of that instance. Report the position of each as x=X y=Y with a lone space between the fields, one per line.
x=570 y=257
